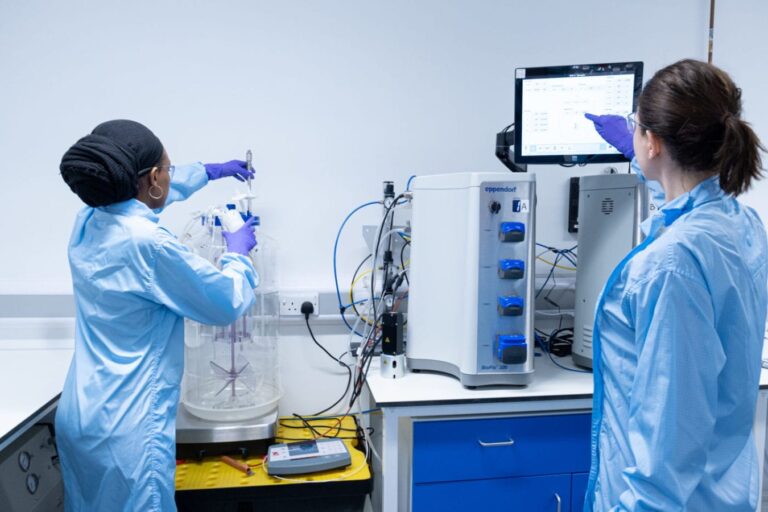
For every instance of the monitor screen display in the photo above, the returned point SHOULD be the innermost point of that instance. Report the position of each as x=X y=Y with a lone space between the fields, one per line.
x=550 y=103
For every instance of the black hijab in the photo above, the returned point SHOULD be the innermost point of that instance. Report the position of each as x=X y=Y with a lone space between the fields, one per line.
x=104 y=167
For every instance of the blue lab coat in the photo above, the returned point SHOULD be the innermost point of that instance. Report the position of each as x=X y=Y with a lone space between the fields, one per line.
x=134 y=283
x=677 y=347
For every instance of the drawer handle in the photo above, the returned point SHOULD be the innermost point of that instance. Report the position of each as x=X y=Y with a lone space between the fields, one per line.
x=559 y=502
x=500 y=443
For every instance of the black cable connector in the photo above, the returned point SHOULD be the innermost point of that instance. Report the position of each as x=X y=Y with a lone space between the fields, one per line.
x=307 y=308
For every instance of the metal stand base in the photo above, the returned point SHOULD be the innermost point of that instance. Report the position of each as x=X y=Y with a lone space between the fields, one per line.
x=192 y=430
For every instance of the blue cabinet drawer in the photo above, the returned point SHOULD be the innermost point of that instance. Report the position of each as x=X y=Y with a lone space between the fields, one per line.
x=523 y=494
x=500 y=447
x=578 y=491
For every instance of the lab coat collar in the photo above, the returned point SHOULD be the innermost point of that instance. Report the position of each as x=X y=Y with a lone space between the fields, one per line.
x=131 y=207
x=706 y=191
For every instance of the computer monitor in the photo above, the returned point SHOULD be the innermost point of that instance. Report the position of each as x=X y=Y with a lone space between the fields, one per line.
x=550 y=102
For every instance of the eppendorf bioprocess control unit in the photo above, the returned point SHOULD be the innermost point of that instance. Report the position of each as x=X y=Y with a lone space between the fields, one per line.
x=472 y=273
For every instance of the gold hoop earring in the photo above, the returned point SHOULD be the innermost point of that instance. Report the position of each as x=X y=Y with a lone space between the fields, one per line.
x=158 y=196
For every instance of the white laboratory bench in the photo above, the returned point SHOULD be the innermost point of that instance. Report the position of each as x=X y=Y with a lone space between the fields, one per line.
x=32 y=373
x=425 y=415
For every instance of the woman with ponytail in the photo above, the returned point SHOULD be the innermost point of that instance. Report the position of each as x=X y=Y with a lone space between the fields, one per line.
x=679 y=326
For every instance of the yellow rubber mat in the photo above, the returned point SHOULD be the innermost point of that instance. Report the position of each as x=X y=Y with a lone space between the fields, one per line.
x=213 y=473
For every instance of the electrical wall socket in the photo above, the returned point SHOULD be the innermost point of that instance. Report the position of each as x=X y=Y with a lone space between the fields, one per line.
x=290 y=303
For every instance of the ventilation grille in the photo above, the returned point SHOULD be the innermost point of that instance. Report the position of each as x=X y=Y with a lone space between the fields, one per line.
x=586 y=336
x=607 y=206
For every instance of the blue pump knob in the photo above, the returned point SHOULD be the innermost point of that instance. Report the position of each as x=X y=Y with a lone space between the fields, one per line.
x=512 y=232
x=511 y=348
x=511 y=269
x=510 y=306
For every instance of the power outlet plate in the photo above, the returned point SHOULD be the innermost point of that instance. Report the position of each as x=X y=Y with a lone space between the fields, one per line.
x=290 y=303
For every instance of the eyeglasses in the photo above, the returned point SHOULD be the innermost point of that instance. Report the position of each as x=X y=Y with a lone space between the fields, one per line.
x=169 y=168
x=633 y=123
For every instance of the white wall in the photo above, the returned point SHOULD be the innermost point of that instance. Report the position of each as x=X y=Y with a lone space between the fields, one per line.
x=740 y=48
x=332 y=96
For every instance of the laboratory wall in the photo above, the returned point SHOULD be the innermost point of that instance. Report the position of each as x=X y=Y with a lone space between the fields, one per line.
x=333 y=97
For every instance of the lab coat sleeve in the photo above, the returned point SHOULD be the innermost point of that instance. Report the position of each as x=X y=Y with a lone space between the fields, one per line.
x=192 y=287
x=674 y=394
x=187 y=179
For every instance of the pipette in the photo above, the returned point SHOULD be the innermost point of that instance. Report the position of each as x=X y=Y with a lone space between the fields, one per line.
x=249 y=165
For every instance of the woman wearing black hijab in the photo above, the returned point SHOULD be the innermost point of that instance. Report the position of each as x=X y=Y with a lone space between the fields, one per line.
x=134 y=284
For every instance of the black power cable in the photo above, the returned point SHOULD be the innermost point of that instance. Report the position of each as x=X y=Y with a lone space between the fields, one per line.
x=306 y=424
x=307 y=309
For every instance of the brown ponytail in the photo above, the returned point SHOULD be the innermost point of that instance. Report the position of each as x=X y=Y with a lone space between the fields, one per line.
x=695 y=108
x=738 y=157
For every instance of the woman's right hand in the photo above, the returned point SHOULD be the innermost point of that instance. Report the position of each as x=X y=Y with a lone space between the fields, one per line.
x=613 y=129
x=243 y=240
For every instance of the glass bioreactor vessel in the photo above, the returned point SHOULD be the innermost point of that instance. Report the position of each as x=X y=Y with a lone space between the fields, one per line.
x=231 y=371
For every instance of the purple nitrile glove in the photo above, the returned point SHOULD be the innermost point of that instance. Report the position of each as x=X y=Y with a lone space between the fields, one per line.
x=235 y=168
x=614 y=130
x=243 y=240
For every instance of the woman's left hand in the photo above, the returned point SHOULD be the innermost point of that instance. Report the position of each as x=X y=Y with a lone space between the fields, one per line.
x=238 y=169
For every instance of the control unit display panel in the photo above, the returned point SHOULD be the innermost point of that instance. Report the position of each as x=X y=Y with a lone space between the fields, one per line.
x=550 y=103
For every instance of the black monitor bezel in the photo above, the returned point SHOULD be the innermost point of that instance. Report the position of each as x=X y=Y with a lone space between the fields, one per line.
x=571 y=70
